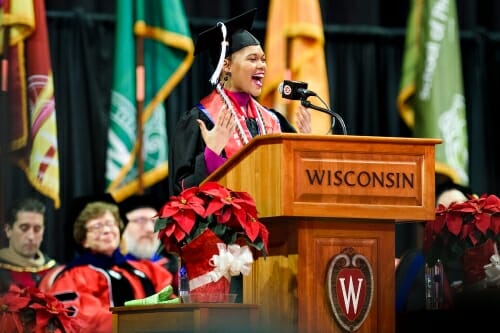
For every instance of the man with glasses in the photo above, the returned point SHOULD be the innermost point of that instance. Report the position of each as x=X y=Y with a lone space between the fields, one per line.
x=139 y=240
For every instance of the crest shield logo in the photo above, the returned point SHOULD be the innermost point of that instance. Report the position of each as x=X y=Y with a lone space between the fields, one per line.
x=349 y=284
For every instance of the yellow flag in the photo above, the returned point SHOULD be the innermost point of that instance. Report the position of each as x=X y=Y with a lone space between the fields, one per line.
x=33 y=138
x=294 y=47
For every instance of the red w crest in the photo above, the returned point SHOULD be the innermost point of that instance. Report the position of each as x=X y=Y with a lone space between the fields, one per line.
x=349 y=284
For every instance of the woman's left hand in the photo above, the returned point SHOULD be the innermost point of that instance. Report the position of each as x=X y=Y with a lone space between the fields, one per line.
x=303 y=119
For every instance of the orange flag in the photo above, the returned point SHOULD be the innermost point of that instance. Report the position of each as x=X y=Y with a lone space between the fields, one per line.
x=294 y=47
x=33 y=136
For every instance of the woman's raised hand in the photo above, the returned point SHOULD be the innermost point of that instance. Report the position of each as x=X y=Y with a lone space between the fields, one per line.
x=217 y=138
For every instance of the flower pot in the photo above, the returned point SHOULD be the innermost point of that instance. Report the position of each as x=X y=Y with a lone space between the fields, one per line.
x=206 y=285
x=474 y=260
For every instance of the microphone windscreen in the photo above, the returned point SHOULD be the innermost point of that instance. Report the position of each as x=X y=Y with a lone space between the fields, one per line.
x=280 y=88
x=290 y=89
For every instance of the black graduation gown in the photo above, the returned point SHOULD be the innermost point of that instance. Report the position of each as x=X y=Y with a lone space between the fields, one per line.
x=186 y=154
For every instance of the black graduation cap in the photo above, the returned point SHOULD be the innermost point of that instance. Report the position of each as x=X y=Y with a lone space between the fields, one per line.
x=237 y=37
x=138 y=201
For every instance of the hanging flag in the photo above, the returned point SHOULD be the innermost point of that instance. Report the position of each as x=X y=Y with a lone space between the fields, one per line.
x=30 y=93
x=162 y=28
x=294 y=44
x=431 y=99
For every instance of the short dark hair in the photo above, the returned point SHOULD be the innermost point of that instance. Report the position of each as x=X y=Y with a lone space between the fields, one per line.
x=25 y=205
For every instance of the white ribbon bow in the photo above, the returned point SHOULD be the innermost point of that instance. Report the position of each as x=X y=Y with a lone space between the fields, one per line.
x=492 y=271
x=231 y=261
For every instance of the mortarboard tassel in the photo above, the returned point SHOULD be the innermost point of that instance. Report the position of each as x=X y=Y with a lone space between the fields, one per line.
x=214 y=79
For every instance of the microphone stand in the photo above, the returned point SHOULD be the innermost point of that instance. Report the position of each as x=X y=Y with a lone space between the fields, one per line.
x=333 y=114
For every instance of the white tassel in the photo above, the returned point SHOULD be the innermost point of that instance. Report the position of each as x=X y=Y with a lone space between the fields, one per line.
x=214 y=79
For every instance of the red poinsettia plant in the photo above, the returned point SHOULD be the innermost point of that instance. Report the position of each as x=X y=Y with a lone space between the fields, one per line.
x=31 y=310
x=461 y=226
x=231 y=215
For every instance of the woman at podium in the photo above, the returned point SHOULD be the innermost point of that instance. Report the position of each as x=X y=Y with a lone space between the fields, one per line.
x=229 y=117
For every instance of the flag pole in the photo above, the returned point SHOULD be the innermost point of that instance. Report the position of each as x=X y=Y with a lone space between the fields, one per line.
x=4 y=114
x=4 y=72
x=140 y=93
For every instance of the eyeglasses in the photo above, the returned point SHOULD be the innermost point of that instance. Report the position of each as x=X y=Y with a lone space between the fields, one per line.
x=100 y=225
x=142 y=220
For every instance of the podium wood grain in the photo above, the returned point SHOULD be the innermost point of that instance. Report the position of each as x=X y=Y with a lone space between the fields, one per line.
x=186 y=318
x=319 y=195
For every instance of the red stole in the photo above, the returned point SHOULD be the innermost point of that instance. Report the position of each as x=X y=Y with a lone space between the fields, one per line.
x=213 y=104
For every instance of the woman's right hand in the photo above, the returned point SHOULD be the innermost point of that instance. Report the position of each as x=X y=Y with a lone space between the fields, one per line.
x=217 y=138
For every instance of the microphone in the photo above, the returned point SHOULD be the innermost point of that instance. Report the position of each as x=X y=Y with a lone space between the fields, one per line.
x=295 y=90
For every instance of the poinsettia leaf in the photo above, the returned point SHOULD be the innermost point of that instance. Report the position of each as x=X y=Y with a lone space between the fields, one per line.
x=441 y=209
x=188 y=193
x=252 y=228
x=214 y=189
x=258 y=244
x=42 y=317
x=467 y=229
x=208 y=219
x=169 y=229
x=214 y=207
x=185 y=219
x=235 y=204
x=495 y=224
x=179 y=234
x=492 y=204
x=241 y=217
x=232 y=238
x=264 y=235
x=469 y=206
x=246 y=197
x=14 y=300
x=482 y=222
x=197 y=205
x=168 y=210
x=247 y=203
x=225 y=215
x=438 y=224
x=160 y=223
x=454 y=223
x=219 y=229
x=10 y=322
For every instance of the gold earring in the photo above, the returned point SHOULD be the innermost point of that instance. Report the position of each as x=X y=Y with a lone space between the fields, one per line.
x=226 y=77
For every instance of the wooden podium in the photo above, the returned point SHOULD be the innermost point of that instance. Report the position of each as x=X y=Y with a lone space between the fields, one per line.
x=321 y=196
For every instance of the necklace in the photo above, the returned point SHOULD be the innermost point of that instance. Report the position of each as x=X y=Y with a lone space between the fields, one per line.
x=239 y=129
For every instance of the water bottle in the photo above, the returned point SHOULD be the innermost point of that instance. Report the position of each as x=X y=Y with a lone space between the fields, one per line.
x=434 y=286
x=183 y=284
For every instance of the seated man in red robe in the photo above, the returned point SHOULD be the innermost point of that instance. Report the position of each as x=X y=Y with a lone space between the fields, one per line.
x=22 y=262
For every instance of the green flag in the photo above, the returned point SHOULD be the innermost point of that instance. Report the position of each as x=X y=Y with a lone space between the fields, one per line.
x=431 y=99
x=167 y=56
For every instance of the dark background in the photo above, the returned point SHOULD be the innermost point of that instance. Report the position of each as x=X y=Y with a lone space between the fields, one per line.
x=364 y=50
